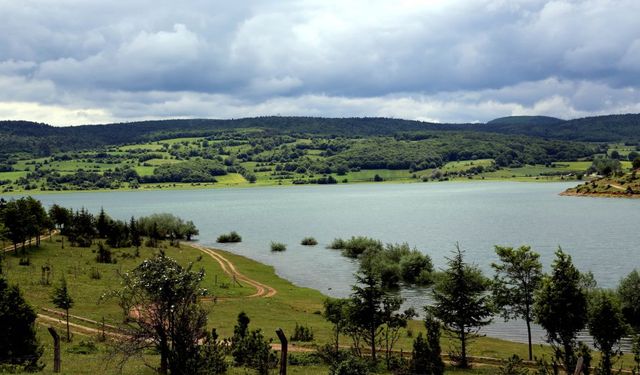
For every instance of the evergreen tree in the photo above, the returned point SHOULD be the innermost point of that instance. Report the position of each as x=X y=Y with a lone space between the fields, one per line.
x=18 y=341
x=102 y=224
x=461 y=302
x=426 y=356
x=250 y=348
x=62 y=300
x=517 y=277
x=370 y=307
x=560 y=307
x=135 y=235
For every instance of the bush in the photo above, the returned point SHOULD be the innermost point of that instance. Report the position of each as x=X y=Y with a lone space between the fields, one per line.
x=84 y=347
x=304 y=359
x=352 y=365
x=94 y=274
x=302 y=333
x=513 y=366
x=355 y=246
x=104 y=254
x=337 y=244
x=249 y=348
x=232 y=236
x=26 y=261
x=309 y=241
x=212 y=356
x=278 y=246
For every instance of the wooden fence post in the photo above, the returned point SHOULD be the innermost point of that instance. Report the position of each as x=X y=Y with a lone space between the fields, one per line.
x=283 y=351
x=579 y=366
x=56 y=349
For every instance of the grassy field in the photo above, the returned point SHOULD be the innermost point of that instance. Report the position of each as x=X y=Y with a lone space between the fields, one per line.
x=175 y=150
x=290 y=305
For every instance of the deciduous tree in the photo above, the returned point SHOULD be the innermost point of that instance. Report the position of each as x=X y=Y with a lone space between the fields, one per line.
x=606 y=325
x=160 y=301
x=560 y=307
x=62 y=300
x=516 y=278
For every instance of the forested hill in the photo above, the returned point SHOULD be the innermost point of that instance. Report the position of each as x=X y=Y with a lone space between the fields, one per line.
x=42 y=139
x=610 y=128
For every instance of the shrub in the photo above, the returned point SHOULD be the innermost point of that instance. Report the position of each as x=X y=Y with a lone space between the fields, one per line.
x=355 y=246
x=302 y=333
x=309 y=241
x=104 y=254
x=94 y=274
x=232 y=236
x=250 y=348
x=352 y=365
x=26 y=261
x=337 y=244
x=278 y=246
x=304 y=359
x=84 y=347
x=513 y=366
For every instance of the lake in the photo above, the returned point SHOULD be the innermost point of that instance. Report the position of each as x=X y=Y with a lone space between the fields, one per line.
x=601 y=234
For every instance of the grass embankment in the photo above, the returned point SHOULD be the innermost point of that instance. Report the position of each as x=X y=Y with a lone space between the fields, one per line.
x=626 y=186
x=289 y=304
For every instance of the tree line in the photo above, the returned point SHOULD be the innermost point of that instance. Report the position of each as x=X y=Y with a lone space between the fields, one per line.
x=563 y=302
x=24 y=219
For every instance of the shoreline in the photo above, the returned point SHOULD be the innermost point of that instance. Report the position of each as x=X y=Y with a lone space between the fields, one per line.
x=209 y=186
x=568 y=193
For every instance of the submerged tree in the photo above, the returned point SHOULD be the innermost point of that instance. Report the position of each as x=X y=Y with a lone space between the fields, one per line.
x=560 y=308
x=517 y=277
x=461 y=302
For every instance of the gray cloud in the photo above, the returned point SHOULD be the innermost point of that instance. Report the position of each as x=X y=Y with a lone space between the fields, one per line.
x=460 y=61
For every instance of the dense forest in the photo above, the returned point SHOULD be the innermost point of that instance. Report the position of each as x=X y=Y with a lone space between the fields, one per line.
x=42 y=139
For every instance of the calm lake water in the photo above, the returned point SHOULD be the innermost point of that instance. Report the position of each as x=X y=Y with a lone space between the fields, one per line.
x=601 y=234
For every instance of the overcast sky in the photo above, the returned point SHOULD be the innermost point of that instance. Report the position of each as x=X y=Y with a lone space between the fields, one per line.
x=68 y=62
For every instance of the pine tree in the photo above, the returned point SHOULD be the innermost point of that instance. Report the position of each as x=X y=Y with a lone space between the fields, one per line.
x=18 y=342
x=134 y=235
x=461 y=302
x=62 y=300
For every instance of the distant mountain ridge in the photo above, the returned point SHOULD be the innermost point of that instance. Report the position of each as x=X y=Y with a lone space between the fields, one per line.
x=17 y=136
x=525 y=120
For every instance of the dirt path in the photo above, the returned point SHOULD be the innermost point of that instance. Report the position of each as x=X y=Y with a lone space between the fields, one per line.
x=262 y=290
x=46 y=320
x=30 y=241
x=615 y=186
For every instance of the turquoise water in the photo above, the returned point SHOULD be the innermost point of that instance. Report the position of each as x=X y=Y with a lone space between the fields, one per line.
x=600 y=233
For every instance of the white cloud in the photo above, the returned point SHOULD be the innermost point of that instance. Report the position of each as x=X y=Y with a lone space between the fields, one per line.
x=423 y=59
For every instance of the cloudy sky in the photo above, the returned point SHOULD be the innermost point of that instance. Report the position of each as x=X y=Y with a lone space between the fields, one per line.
x=68 y=62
